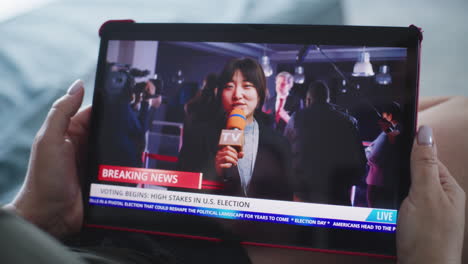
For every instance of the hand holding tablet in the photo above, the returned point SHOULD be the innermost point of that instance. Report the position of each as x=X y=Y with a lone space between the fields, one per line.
x=51 y=195
x=432 y=217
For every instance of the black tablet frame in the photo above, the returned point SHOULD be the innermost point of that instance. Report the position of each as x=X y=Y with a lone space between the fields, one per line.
x=373 y=243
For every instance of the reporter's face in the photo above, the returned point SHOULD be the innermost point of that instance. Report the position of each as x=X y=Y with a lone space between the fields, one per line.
x=239 y=93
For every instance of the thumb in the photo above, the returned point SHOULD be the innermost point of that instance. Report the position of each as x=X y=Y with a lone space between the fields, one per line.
x=58 y=119
x=424 y=163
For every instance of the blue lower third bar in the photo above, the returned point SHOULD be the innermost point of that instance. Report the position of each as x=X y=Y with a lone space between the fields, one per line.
x=244 y=215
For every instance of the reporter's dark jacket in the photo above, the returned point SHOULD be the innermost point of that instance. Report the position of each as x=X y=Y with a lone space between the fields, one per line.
x=271 y=178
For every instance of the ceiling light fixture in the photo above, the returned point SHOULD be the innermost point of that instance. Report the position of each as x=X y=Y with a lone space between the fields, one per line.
x=363 y=67
x=383 y=77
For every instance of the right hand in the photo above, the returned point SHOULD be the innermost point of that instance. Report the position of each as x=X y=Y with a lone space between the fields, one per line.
x=226 y=157
x=432 y=218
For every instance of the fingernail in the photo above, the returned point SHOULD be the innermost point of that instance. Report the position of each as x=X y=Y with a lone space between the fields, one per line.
x=75 y=87
x=425 y=136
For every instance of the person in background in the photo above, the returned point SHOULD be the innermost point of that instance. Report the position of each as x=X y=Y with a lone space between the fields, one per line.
x=328 y=157
x=383 y=164
x=127 y=117
x=283 y=104
x=203 y=105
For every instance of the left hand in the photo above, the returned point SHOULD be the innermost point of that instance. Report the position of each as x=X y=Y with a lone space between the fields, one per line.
x=51 y=195
x=431 y=220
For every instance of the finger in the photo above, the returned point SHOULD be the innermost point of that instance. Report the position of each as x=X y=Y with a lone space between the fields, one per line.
x=450 y=185
x=424 y=165
x=241 y=155
x=79 y=125
x=229 y=159
x=78 y=129
x=233 y=153
x=58 y=119
x=82 y=118
x=225 y=165
x=222 y=159
x=229 y=153
x=232 y=149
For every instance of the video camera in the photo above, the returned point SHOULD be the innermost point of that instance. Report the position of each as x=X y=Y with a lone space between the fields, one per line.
x=120 y=82
x=147 y=92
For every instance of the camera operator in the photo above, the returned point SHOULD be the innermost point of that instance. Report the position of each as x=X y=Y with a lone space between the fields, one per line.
x=147 y=93
x=129 y=108
x=383 y=167
x=149 y=98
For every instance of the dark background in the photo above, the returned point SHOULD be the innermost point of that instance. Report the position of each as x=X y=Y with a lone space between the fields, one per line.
x=362 y=97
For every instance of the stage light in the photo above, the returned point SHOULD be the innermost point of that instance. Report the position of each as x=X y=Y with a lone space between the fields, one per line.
x=265 y=62
x=383 y=77
x=299 y=76
x=180 y=77
x=343 y=88
x=363 y=67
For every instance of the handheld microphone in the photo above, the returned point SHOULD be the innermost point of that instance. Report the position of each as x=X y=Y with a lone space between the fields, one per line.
x=233 y=135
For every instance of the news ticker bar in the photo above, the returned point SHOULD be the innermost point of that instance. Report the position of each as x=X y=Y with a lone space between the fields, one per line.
x=244 y=215
x=293 y=210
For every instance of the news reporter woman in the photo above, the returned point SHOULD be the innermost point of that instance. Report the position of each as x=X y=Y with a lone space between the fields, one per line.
x=263 y=168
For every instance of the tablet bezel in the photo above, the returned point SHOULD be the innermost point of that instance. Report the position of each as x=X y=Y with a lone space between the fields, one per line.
x=359 y=241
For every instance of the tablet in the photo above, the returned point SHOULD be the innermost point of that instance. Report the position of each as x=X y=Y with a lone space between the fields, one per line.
x=318 y=156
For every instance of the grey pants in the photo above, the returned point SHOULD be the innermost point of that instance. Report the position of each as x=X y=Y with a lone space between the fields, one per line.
x=22 y=242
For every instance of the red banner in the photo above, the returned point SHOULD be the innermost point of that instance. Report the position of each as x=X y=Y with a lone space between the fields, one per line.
x=150 y=176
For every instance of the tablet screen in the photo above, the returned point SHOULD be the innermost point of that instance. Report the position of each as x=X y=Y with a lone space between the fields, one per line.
x=319 y=159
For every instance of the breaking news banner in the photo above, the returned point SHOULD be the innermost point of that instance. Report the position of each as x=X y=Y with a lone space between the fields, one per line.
x=262 y=210
x=150 y=176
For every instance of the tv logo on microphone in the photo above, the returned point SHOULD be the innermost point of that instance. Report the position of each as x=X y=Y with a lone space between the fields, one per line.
x=234 y=134
x=234 y=138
